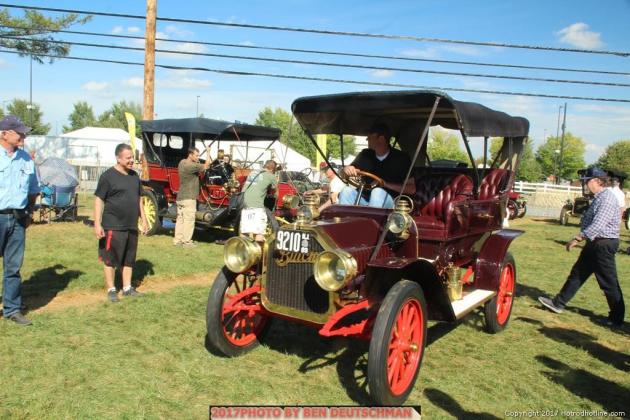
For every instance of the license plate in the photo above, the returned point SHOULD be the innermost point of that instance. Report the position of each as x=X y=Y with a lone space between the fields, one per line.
x=292 y=241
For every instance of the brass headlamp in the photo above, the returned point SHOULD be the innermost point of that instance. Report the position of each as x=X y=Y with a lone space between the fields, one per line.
x=310 y=209
x=399 y=220
x=333 y=269
x=241 y=253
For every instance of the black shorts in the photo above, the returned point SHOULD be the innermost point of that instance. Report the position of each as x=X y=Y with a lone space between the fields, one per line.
x=118 y=248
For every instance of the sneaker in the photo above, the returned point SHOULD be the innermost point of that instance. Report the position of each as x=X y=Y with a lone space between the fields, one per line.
x=132 y=292
x=189 y=245
x=548 y=303
x=19 y=319
x=112 y=296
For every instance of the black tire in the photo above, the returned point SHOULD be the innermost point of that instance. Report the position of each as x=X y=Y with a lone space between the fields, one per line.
x=150 y=204
x=626 y=217
x=216 y=336
x=495 y=321
x=512 y=209
x=564 y=216
x=524 y=212
x=406 y=294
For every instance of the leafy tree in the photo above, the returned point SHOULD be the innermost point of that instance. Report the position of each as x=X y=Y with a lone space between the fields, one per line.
x=292 y=134
x=114 y=117
x=445 y=145
x=529 y=168
x=39 y=30
x=82 y=116
x=333 y=146
x=572 y=159
x=30 y=117
x=616 y=156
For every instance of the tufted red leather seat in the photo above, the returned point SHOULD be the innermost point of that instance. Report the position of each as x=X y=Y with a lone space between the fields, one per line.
x=493 y=184
x=433 y=196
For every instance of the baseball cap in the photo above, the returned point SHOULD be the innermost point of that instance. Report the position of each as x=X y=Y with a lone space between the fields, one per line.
x=14 y=123
x=593 y=172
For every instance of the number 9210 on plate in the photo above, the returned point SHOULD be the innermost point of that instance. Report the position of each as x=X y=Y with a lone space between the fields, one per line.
x=291 y=241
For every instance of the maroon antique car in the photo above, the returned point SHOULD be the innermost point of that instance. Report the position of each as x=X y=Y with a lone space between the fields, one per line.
x=380 y=274
x=166 y=143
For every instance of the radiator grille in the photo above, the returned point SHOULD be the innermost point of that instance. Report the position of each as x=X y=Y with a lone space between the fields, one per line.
x=294 y=285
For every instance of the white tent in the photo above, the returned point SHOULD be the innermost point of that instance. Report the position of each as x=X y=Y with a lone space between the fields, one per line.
x=89 y=146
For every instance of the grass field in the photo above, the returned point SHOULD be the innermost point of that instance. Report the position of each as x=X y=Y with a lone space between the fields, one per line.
x=145 y=358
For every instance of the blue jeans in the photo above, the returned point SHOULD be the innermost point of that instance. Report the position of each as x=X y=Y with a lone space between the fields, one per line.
x=378 y=198
x=12 y=251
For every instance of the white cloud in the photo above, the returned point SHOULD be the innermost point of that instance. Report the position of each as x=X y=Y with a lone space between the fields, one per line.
x=382 y=73
x=185 y=47
x=420 y=53
x=247 y=43
x=134 y=82
x=2 y=62
x=118 y=30
x=594 y=148
x=177 y=31
x=184 y=83
x=93 y=86
x=133 y=29
x=463 y=49
x=579 y=36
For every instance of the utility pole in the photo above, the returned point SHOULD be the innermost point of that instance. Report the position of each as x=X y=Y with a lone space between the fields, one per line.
x=564 y=125
x=149 y=61
x=197 y=106
x=30 y=100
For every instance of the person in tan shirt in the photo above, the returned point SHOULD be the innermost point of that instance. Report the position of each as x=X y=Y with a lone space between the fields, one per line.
x=189 y=170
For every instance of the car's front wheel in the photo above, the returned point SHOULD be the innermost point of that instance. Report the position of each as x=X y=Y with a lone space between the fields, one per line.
x=235 y=319
x=512 y=208
x=498 y=310
x=564 y=216
x=150 y=206
x=397 y=343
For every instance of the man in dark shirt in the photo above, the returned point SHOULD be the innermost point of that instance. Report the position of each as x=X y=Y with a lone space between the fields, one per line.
x=384 y=161
x=189 y=170
x=117 y=206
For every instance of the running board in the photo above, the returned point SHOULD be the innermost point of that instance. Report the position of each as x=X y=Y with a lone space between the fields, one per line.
x=471 y=301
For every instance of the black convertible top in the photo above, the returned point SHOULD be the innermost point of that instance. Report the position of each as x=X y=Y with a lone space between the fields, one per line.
x=223 y=130
x=354 y=113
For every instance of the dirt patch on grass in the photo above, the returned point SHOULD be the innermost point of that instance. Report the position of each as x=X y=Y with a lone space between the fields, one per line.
x=73 y=299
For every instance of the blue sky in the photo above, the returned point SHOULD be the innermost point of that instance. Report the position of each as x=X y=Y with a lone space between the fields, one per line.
x=572 y=24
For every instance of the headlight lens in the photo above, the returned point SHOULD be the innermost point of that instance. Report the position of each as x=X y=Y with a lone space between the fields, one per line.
x=241 y=254
x=304 y=214
x=333 y=269
x=398 y=223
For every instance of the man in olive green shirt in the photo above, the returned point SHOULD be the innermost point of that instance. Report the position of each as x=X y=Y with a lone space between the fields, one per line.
x=256 y=189
x=189 y=170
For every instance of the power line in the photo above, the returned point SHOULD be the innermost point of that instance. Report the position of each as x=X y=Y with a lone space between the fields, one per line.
x=319 y=63
x=322 y=52
x=322 y=79
x=327 y=32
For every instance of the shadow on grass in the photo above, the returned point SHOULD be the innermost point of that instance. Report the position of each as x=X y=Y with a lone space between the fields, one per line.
x=44 y=285
x=584 y=384
x=531 y=292
x=448 y=404
x=141 y=269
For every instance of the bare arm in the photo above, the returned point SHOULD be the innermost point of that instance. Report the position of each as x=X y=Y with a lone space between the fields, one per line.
x=98 y=214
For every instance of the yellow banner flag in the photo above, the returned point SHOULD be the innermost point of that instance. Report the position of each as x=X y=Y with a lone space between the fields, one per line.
x=321 y=142
x=131 y=128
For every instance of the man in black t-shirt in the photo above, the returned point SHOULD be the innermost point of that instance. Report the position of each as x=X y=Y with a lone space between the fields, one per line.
x=117 y=205
x=383 y=161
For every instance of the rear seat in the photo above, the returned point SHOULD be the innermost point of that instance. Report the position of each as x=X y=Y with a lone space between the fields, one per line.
x=493 y=184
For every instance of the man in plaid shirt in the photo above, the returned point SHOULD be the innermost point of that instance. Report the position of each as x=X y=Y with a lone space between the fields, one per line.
x=600 y=230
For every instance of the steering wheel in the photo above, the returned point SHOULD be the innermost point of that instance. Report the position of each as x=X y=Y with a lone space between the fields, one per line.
x=307 y=171
x=359 y=181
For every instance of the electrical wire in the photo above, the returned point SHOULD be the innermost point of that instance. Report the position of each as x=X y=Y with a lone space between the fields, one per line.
x=326 y=32
x=323 y=79
x=322 y=52
x=319 y=63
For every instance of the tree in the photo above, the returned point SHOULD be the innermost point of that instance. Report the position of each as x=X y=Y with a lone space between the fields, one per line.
x=445 y=145
x=333 y=146
x=528 y=168
x=616 y=156
x=35 y=33
x=572 y=156
x=82 y=116
x=114 y=117
x=31 y=117
x=292 y=134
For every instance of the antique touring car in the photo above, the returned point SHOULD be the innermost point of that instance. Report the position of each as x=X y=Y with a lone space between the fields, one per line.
x=166 y=143
x=381 y=274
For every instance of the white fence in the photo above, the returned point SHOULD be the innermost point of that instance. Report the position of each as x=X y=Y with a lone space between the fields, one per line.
x=532 y=187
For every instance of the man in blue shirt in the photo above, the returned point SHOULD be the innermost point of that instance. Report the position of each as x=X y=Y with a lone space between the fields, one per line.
x=600 y=230
x=18 y=190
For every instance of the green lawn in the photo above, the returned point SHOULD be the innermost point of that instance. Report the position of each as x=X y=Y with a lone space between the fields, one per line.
x=145 y=358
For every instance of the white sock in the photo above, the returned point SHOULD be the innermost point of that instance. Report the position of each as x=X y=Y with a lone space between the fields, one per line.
x=126 y=288
x=111 y=289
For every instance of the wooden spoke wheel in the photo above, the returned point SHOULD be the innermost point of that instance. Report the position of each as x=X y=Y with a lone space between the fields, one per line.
x=498 y=310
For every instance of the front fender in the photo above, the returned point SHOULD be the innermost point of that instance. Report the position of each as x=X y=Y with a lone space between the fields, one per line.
x=490 y=258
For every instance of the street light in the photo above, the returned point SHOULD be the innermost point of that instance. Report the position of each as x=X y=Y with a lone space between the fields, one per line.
x=198 y=106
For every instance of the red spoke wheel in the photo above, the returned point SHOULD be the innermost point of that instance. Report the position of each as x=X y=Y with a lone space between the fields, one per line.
x=397 y=344
x=498 y=310
x=512 y=209
x=235 y=320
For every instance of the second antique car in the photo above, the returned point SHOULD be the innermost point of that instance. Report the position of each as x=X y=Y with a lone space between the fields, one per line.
x=381 y=274
x=166 y=143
